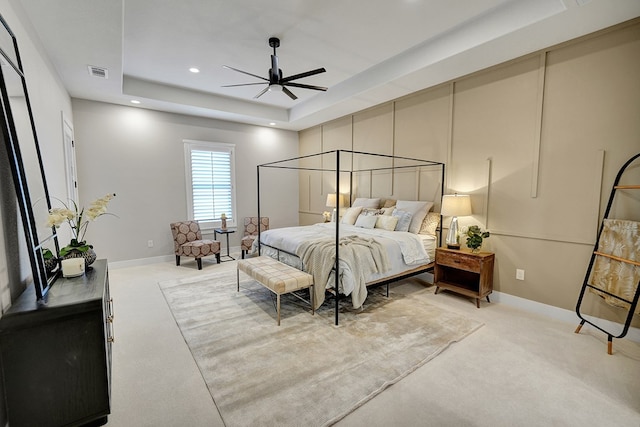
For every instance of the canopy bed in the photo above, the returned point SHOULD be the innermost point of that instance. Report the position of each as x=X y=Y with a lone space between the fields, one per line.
x=373 y=241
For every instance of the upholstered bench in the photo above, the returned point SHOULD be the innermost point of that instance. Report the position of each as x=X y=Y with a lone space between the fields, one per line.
x=279 y=278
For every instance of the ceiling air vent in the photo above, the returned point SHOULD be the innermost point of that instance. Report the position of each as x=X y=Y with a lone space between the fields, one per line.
x=103 y=73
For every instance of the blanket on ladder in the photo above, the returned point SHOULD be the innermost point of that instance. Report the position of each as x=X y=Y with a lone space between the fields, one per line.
x=621 y=276
x=359 y=258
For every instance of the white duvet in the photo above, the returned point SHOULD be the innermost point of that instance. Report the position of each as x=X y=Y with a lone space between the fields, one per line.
x=404 y=250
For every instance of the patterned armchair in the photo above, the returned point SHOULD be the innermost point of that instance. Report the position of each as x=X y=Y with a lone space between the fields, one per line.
x=251 y=232
x=187 y=241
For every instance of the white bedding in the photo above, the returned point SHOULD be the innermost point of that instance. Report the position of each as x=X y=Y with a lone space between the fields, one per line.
x=405 y=251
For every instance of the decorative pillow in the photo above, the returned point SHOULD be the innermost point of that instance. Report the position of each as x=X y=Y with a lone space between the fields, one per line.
x=404 y=219
x=387 y=211
x=369 y=211
x=351 y=215
x=389 y=203
x=430 y=223
x=366 y=203
x=366 y=221
x=418 y=210
x=387 y=222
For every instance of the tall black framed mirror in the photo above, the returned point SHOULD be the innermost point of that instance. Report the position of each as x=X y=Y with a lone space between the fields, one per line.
x=25 y=159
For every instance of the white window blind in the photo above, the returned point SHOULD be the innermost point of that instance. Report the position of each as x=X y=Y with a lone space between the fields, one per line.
x=211 y=182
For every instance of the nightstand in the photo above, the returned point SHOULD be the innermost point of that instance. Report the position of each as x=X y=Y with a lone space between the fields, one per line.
x=464 y=272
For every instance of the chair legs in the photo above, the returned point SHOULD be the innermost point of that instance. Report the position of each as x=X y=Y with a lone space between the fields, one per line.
x=198 y=261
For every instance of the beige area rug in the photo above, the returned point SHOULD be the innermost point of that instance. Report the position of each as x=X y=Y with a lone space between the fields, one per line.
x=307 y=372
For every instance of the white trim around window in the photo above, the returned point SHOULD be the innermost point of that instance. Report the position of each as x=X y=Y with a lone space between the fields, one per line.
x=211 y=183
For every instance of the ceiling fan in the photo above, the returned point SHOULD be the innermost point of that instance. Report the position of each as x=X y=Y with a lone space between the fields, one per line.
x=276 y=82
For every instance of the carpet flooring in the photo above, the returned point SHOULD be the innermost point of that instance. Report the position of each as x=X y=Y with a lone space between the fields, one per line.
x=307 y=371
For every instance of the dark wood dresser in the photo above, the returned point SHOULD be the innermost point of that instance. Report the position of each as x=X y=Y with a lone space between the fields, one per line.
x=56 y=357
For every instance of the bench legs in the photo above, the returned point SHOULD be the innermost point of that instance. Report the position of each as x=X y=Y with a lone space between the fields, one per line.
x=278 y=307
x=313 y=309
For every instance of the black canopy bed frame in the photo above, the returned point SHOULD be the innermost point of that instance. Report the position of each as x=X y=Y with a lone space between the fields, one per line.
x=398 y=164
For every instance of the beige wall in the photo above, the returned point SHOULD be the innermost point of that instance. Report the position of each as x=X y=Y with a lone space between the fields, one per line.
x=139 y=155
x=537 y=142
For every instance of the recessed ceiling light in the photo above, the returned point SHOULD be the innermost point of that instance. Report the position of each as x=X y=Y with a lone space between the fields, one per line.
x=194 y=70
x=135 y=101
x=272 y=124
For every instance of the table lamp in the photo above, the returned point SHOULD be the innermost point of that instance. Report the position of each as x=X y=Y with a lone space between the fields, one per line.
x=331 y=203
x=455 y=205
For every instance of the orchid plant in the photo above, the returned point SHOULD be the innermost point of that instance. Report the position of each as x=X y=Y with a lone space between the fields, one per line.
x=78 y=220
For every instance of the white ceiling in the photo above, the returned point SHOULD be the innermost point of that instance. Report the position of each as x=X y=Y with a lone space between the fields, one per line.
x=373 y=50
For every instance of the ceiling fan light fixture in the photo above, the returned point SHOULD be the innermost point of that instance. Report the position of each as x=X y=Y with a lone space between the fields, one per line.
x=275 y=88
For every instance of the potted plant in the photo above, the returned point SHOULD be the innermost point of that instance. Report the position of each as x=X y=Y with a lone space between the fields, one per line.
x=78 y=220
x=474 y=237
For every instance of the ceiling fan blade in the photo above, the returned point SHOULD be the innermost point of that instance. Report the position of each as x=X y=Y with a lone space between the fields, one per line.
x=288 y=92
x=301 y=75
x=245 y=84
x=262 y=92
x=305 y=86
x=244 y=72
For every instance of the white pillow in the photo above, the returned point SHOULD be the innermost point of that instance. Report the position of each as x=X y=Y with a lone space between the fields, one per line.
x=418 y=210
x=366 y=203
x=366 y=221
x=351 y=215
x=387 y=222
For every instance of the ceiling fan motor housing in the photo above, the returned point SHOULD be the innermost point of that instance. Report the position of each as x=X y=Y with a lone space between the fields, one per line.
x=275 y=73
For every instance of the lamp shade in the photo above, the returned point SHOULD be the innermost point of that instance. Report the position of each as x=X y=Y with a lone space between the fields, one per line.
x=331 y=200
x=456 y=205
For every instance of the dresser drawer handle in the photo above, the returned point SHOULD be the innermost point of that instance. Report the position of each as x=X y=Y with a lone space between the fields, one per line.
x=111 y=336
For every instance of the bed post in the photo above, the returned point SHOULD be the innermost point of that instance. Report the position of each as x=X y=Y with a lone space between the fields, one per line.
x=441 y=196
x=259 y=217
x=337 y=283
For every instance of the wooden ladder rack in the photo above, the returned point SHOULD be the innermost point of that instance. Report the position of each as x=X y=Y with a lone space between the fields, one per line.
x=631 y=304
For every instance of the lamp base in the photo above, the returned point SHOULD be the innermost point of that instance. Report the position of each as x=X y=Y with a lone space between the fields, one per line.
x=452 y=236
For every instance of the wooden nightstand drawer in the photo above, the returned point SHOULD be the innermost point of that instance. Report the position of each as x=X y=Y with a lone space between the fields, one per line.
x=458 y=260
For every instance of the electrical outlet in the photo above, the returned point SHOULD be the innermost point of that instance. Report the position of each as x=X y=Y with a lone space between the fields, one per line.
x=519 y=274
x=150 y=243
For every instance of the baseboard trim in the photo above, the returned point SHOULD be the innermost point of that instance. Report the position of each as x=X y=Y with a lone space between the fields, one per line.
x=499 y=297
x=140 y=261
x=557 y=313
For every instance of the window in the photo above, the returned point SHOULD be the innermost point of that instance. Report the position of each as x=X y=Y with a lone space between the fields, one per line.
x=210 y=182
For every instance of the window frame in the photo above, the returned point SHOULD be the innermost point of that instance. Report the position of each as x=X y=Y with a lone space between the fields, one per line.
x=190 y=145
